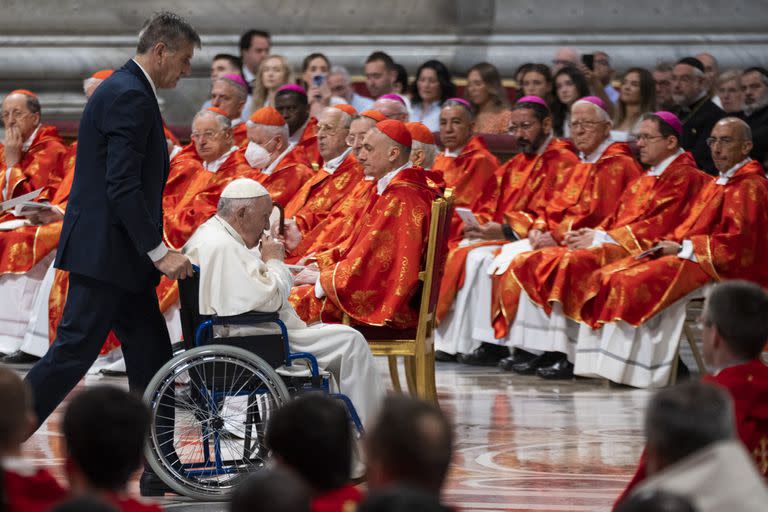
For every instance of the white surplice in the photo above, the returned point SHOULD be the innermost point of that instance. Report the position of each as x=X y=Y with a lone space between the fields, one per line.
x=234 y=280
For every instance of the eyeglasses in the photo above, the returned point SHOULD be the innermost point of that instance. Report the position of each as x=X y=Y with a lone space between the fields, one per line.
x=520 y=127
x=208 y=134
x=330 y=130
x=352 y=139
x=586 y=125
x=648 y=138
x=723 y=141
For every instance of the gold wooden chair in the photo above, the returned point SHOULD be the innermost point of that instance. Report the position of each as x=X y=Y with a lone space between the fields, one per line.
x=691 y=314
x=416 y=345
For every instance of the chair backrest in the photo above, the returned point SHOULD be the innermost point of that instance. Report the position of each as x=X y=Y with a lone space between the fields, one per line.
x=189 y=302
x=434 y=262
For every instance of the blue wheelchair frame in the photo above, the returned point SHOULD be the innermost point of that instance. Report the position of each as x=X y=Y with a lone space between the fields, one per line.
x=203 y=333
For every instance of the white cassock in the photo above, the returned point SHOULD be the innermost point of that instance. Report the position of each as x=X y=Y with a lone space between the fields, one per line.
x=234 y=280
x=17 y=296
x=469 y=322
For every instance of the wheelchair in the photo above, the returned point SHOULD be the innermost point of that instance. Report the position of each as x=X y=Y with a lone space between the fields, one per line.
x=211 y=404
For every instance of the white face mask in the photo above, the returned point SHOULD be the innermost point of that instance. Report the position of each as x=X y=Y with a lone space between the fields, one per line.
x=257 y=156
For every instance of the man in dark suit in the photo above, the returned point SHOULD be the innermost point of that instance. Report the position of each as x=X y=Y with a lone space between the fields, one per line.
x=754 y=86
x=696 y=110
x=111 y=241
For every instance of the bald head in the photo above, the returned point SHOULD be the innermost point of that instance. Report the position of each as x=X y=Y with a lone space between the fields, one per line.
x=565 y=57
x=730 y=142
x=393 y=109
x=711 y=67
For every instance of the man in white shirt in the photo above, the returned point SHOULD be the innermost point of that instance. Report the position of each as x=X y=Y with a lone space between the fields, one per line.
x=242 y=270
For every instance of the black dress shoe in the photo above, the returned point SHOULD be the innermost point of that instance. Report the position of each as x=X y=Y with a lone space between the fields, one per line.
x=19 y=358
x=529 y=367
x=151 y=485
x=560 y=369
x=487 y=354
x=518 y=356
x=444 y=357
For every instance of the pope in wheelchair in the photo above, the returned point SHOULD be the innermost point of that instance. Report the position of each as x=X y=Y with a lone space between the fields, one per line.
x=210 y=404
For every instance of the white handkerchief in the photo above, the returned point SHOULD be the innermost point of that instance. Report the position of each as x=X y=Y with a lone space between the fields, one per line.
x=509 y=251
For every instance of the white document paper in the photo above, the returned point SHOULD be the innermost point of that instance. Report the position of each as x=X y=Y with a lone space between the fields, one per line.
x=11 y=203
x=467 y=216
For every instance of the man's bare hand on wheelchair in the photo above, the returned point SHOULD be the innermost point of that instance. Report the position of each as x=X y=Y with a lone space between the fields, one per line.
x=309 y=275
x=272 y=249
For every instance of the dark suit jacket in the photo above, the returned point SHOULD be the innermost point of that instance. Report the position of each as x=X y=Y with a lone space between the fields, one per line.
x=697 y=127
x=758 y=121
x=114 y=215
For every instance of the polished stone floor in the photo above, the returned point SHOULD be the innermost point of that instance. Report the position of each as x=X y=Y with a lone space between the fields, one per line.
x=522 y=443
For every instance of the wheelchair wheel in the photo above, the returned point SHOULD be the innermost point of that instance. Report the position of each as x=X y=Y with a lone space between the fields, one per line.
x=209 y=408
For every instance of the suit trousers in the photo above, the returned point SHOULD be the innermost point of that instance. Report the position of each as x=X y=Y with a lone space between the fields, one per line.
x=94 y=307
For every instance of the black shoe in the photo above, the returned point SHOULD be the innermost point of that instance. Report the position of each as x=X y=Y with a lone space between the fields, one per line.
x=529 y=367
x=560 y=369
x=444 y=357
x=19 y=358
x=151 y=485
x=487 y=354
x=518 y=356
x=113 y=373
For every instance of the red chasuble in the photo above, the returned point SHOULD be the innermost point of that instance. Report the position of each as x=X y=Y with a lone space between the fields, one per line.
x=472 y=176
x=589 y=196
x=726 y=224
x=649 y=208
x=42 y=165
x=374 y=277
x=314 y=201
x=528 y=183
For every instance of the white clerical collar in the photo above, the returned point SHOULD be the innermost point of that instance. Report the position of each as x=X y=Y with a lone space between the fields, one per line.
x=18 y=465
x=727 y=175
x=454 y=153
x=271 y=168
x=597 y=153
x=385 y=180
x=149 y=79
x=229 y=229
x=28 y=143
x=214 y=166
x=236 y=122
x=331 y=165
x=296 y=137
x=544 y=145
x=658 y=170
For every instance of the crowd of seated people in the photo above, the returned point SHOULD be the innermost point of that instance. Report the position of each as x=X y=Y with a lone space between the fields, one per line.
x=577 y=256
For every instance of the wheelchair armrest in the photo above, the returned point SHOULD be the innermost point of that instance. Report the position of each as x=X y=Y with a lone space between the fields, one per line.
x=247 y=318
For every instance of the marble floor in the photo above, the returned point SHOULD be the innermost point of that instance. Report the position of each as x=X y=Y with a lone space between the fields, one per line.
x=522 y=443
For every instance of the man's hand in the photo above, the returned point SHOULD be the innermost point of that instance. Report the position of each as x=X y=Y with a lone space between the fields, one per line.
x=669 y=248
x=533 y=236
x=174 y=265
x=272 y=249
x=487 y=231
x=580 y=239
x=307 y=276
x=544 y=240
x=13 y=144
x=45 y=216
x=292 y=236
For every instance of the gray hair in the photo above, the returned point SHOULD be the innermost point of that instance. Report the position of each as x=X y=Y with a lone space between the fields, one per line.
x=167 y=28
x=240 y=91
x=272 y=131
x=454 y=103
x=341 y=71
x=602 y=114
x=227 y=206
x=223 y=121
x=683 y=419
x=430 y=152
x=727 y=76
x=399 y=105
